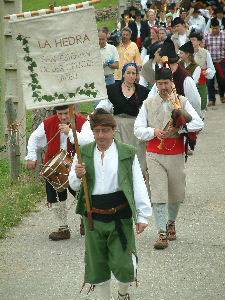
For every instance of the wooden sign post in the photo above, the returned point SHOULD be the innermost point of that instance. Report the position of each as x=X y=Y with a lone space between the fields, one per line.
x=84 y=179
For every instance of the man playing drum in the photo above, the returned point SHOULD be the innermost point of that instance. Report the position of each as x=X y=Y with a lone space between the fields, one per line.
x=118 y=195
x=54 y=134
x=165 y=151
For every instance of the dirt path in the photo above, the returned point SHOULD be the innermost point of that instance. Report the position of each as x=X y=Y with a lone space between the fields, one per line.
x=32 y=267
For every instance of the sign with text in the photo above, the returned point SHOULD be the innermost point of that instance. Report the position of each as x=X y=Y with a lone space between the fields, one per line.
x=59 y=59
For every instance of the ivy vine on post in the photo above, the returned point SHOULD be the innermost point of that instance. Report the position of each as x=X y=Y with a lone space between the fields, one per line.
x=87 y=90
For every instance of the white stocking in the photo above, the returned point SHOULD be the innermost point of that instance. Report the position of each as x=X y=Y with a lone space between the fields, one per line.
x=103 y=290
x=59 y=209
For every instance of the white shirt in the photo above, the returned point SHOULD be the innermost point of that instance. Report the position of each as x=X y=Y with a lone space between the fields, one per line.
x=109 y=52
x=145 y=133
x=143 y=4
x=106 y=180
x=210 y=69
x=190 y=92
x=182 y=39
x=38 y=139
x=197 y=23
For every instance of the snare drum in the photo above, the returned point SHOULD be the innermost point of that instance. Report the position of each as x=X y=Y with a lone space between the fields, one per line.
x=56 y=171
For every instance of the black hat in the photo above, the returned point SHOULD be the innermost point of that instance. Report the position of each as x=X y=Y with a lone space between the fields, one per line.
x=168 y=49
x=187 y=47
x=196 y=35
x=153 y=48
x=214 y=22
x=176 y=21
x=163 y=73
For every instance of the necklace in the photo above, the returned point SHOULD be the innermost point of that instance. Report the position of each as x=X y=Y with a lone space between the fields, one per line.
x=129 y=87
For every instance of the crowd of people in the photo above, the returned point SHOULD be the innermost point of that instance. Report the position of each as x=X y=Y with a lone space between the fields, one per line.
x=160 y=73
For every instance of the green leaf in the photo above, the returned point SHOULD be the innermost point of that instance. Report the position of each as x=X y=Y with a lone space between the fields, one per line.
x=19 y=37
x=92 y=85
x=30 y=68
x=35 y=95
x=71 y=95
x=86 y=85
x=33 y=86
x=27 y=58
x=24 y=42
x=48 y=98
x=38 y=87
x=94 y=94
x=88 y=93
x=34 y=80
x=33 y=64
x=61 y=96
x=26 y=49
x=82 y=92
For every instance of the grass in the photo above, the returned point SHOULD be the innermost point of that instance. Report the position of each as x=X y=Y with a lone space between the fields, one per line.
x=39 y=4
x=17 y=199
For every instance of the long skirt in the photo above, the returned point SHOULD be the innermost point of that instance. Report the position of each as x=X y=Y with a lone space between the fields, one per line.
x=125 y=133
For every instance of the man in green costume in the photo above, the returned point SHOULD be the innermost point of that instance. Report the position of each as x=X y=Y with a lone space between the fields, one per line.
x=118 y=196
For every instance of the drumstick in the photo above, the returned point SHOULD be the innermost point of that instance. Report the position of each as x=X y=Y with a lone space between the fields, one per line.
x=84 y=179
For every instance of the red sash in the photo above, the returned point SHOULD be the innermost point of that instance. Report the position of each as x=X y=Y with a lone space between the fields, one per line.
x=170 y=146
x=202 y=78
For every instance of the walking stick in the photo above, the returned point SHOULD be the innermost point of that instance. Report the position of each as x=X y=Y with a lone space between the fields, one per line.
x=84 y=179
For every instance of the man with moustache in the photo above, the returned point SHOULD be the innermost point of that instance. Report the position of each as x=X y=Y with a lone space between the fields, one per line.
x=118 y=196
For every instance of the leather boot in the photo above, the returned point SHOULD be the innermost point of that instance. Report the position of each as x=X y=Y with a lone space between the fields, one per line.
x=61 y=234
x=162 y=242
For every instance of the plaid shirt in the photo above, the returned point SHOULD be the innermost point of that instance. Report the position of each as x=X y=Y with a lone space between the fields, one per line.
x=216 y=45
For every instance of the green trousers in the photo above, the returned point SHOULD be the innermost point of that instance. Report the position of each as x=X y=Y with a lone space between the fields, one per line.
x=202 y=89
x=104 y=253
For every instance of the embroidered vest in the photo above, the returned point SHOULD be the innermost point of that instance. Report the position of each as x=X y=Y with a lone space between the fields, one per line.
x=126 y=155
x=178 y=78
x=191 y=68
x=158 y=117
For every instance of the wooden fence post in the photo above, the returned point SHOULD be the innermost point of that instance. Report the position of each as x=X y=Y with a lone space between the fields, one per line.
x=13 y=138
x=8 y=73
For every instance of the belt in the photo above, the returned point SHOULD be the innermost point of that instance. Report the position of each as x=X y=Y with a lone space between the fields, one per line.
x=110 y=211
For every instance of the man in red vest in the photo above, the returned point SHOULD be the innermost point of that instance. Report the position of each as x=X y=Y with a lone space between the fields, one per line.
x=54 y=134
x=165 y=151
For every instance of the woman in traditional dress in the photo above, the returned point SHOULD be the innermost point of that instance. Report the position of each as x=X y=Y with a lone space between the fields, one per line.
x=124 y=100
